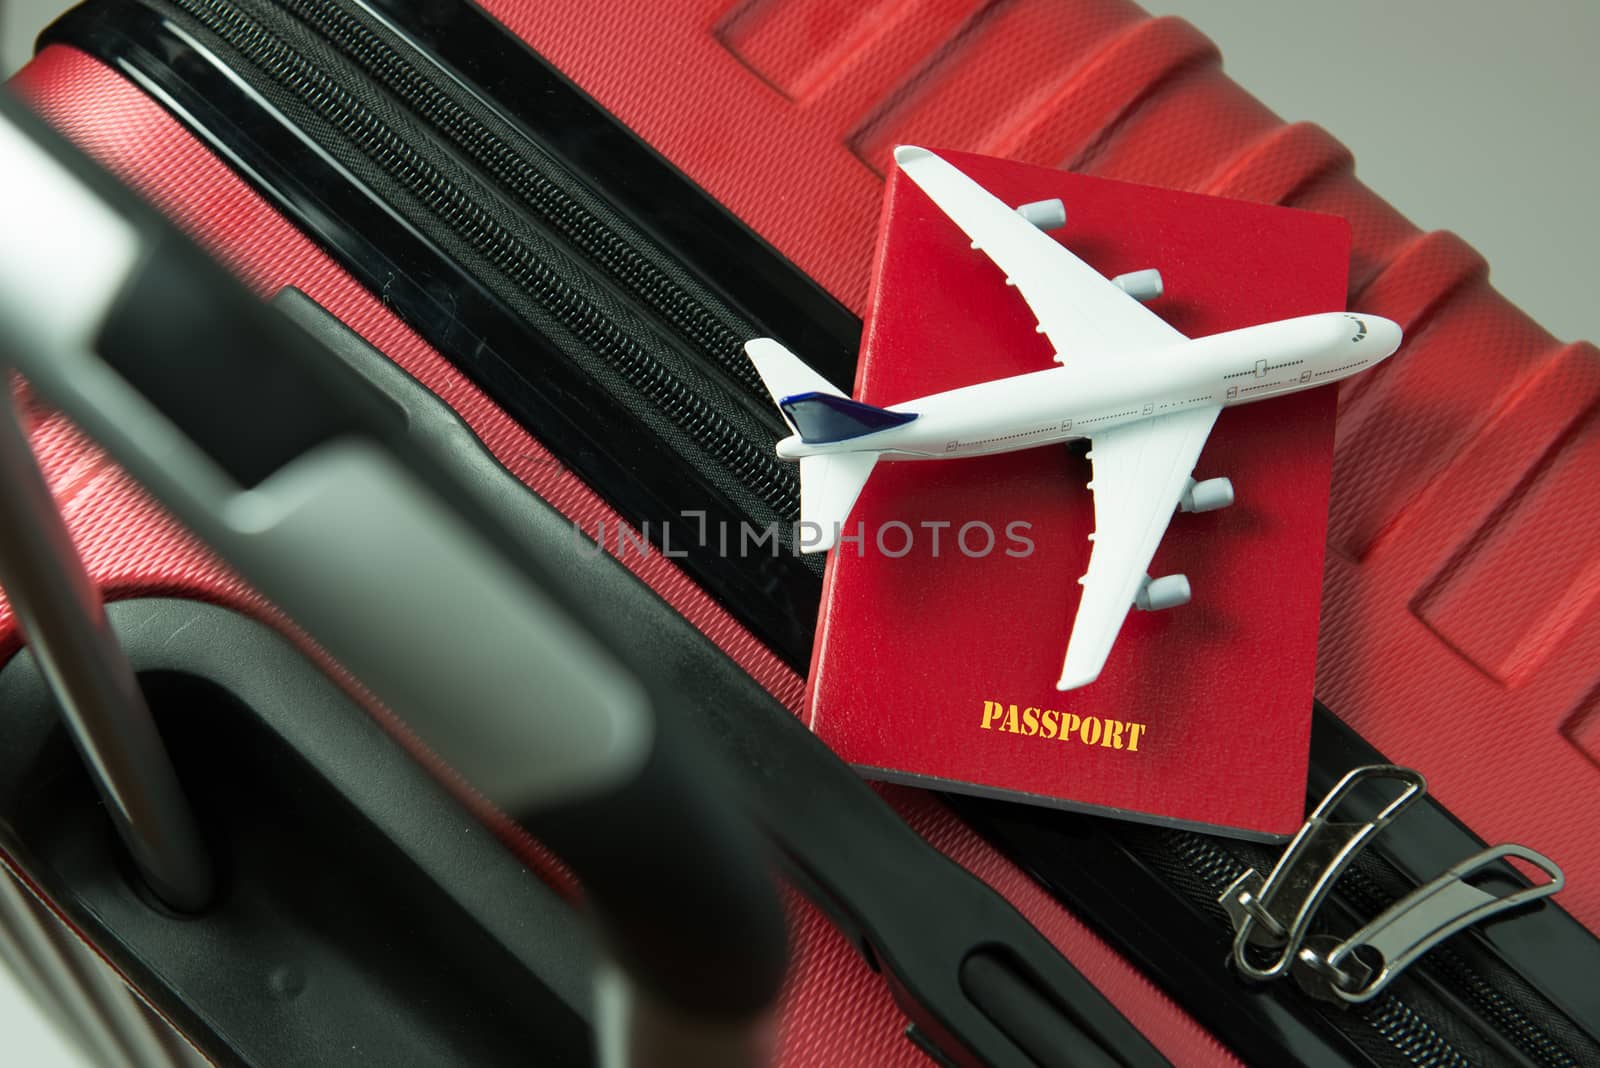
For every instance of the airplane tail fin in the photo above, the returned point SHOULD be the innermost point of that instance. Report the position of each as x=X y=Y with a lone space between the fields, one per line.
x=785 y=374
x=829 y=486
x=818 y=411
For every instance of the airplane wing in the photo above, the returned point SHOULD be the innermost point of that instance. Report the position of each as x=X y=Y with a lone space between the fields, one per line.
x=1078 y=308
x=1140 y=473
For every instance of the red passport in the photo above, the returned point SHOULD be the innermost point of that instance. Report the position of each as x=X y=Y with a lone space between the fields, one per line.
x=945 y=621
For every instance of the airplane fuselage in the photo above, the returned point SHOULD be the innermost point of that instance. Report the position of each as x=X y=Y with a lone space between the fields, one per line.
x=1091 y=393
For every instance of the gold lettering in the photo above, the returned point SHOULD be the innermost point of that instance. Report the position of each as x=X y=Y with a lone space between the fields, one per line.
x=1035 y=722
x=1113 y=735
x=1083 y=732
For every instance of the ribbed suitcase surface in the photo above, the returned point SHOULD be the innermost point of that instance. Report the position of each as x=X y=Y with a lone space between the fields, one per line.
x=1459 y=463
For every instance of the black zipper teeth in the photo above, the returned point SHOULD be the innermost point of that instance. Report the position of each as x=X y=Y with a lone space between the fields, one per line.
x=1215 y=866
x=1411 y=1035
x=604 y=248
x=1504 y=1015
x=753 y=464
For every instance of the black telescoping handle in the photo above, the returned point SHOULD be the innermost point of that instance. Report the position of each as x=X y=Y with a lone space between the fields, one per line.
x=301 y=474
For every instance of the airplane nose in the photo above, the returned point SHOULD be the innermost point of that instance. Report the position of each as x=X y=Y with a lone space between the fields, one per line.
x=1384 y=334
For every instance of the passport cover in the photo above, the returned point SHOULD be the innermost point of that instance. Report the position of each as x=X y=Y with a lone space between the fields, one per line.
x=944 y=624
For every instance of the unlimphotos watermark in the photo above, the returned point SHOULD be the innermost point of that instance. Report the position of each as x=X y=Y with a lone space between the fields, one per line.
x=893 y=539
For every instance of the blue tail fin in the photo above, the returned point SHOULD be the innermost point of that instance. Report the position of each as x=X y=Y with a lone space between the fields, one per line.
x=824 y=417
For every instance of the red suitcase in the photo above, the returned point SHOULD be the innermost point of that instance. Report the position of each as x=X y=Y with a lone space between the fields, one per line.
x=1471 y=445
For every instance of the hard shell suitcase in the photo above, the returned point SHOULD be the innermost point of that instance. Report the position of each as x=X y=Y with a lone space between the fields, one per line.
x=785 y=114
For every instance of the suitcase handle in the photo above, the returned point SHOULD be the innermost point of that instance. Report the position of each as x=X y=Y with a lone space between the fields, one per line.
x=302 y=476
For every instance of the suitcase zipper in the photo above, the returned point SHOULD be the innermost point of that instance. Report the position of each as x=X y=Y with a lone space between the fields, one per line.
x=1272 y=915
x=752 y=463
x=712 y=335
x=1275 y=914
x=1407 y=1033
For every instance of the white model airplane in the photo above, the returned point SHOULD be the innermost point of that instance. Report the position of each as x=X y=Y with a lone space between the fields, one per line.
x=1143 y=394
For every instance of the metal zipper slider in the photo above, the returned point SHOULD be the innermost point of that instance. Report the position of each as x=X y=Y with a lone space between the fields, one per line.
x=1358 y=968
x=1274 y=913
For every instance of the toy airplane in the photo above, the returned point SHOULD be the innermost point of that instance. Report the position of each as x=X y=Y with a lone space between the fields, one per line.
x=1142 y=393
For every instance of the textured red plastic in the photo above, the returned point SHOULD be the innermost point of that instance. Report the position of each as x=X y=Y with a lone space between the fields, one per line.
x=785 y=110
x=1202 y=715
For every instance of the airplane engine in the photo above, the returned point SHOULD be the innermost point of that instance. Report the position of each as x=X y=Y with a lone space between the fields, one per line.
x=1140 y=285
x=1207 y=496
x=1045 y=214
x=1168 y=591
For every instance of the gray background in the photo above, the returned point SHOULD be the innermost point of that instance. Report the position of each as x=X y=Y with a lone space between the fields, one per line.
x=1477 y=116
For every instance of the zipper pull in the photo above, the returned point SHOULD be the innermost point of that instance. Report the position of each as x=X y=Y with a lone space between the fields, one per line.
x=1274 y=913
x=1358 y=968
